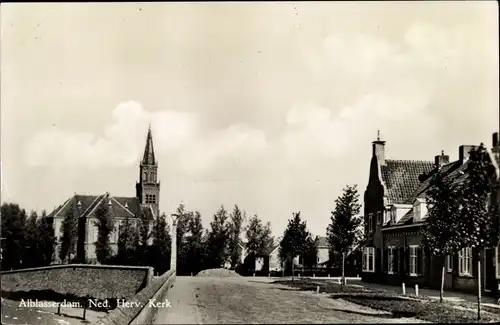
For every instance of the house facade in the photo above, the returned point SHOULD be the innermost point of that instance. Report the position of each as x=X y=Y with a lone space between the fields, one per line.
x=83 y=207
x=395 y=211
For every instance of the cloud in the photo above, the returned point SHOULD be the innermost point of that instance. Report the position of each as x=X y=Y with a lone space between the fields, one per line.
x=234 y=147
x=122 y=143
x=174 y=133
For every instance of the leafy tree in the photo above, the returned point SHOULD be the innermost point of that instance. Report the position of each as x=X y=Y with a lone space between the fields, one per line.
x=69 y=234
x=32 y=252
x=344 y=230
x=128 y=242
x=182 y=223
x=480 y=219
x=310 y=256
x=194 y=246
x=294 y=240
x=14 y=234
x=258 y=236
x=237 y=218
x=217 y=239
x=161 y=244
x=144 y=230
x=47 y=240
x=104 y=226
x=443 y=231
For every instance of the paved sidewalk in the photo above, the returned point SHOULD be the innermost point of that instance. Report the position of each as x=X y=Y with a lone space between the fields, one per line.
x=184 y=305
x=449 y=296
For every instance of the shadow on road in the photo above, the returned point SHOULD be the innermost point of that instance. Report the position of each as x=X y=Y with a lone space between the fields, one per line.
x=379 y=315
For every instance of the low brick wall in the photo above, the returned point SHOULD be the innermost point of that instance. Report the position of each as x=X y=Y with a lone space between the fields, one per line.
x=79 y=280
x=139 y=312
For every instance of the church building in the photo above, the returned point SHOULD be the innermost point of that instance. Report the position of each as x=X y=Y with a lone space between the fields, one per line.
x=83 y=207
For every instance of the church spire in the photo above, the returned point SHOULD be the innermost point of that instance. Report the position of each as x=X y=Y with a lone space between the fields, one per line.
x=149 y=153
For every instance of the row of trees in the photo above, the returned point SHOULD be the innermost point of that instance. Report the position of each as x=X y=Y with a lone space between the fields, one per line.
x=26 y=241
x=220 y=245
x=462 y=213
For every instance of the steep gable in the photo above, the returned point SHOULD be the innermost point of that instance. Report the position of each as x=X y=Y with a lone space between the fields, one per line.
x=401 y=178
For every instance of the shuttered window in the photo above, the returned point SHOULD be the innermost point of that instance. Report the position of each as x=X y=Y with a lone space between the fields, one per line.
x=497 y=259
x=390 y=260
x=368 y=259
x=415 y=261
x=465 y=261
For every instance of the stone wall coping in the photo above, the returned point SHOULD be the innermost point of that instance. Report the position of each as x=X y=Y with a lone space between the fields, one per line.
x=82 y=266
x=126 y=316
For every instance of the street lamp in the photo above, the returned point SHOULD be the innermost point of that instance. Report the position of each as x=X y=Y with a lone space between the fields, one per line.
x=173 y=250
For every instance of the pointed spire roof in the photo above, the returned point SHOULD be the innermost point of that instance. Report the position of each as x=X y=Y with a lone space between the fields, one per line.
x=149 y=153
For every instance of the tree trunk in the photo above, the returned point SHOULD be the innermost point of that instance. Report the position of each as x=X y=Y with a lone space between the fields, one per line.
x=343 y=273
x=479 y=285
x=293 y=269
x=441 y=292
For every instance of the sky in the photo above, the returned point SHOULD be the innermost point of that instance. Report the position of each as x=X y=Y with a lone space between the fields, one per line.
x=271 y=106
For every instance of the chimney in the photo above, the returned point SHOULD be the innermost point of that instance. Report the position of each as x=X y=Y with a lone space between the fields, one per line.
x=463 y=152
x=495 y=145
x=379 y=150
x=441 y=159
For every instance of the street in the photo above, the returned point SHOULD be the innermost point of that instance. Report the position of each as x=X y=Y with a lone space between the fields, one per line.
x=204 y=300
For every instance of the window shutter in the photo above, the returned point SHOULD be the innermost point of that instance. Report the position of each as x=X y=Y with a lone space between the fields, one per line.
x=419 y=260
x=474 y=252
x=407 y=260
x=395 y=260
x=401 y=262
x=386 y=255
x=364 y=259
x=378 y=260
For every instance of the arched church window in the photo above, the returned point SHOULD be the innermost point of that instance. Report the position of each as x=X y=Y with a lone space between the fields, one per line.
x=145 y=176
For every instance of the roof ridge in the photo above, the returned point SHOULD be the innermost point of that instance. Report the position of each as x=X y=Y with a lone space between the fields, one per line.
x=83 y=214
x=63 y=205
x=122 y=206
x=411 y=160
x=97 y=204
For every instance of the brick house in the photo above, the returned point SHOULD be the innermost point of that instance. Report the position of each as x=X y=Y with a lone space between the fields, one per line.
x=394 y=212
x=120 y=208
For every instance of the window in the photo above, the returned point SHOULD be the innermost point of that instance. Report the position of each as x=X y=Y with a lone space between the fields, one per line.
x=369 y=259
x=370 y=222
x=497 y=258
x=150 y=198
x=379 y=217
x=390 y=260
x=414 y=260
x=465 y=261
x=393 y=215
x=449 y=263
x=417 y=211
x=387 y=216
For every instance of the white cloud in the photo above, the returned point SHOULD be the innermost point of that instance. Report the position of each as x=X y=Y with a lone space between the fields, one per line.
x=236 y=146
x=122 y=143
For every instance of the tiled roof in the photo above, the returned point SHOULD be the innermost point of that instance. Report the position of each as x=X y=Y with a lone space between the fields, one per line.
x=401 y=178
x=120 y=207
x=447 y=169
x=323 y=242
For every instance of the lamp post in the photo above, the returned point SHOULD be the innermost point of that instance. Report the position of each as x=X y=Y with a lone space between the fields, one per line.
x=173 y=251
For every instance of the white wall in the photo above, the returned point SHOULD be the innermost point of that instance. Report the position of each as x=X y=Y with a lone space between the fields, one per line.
x=322 y=254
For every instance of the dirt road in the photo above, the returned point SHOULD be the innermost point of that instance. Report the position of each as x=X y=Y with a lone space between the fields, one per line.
x=205 y=300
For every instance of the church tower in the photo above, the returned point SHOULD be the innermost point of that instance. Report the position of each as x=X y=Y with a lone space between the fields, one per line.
x=148 y=187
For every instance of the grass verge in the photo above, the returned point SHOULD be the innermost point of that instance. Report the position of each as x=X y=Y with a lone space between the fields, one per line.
x=399 y=306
